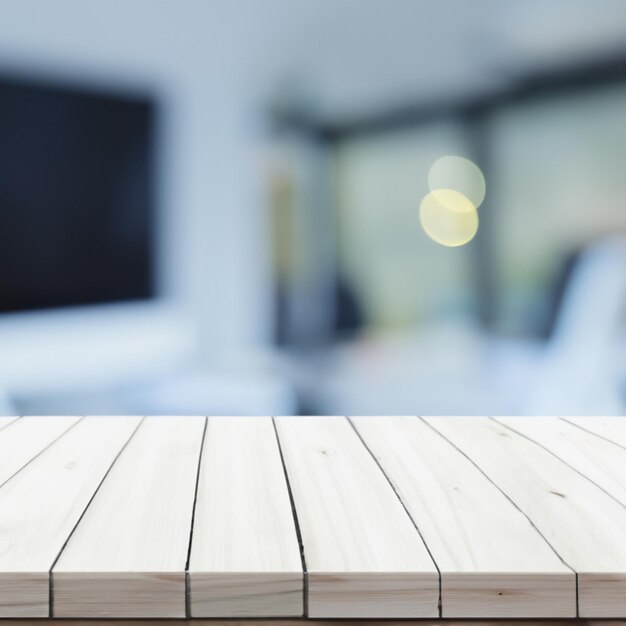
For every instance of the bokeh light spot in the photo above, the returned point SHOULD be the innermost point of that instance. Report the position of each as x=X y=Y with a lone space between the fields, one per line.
x=448 y=217
x=455 y=172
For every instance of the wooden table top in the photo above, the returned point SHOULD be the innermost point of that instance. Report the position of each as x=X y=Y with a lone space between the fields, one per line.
x=321 y=517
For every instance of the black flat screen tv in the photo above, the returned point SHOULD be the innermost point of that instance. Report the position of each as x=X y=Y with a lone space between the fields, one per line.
x=77 y=198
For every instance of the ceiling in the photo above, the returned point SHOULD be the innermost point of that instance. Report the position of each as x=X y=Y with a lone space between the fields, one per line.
x=360 y=57
x=338 y=58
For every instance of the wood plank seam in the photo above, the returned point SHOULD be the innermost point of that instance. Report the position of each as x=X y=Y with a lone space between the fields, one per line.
x=305 y=576
x=555 y=465
x=50 y=577
x=42 y=450
x=597 y=459
x=590 y=432
x=506 y=495
x=245 y=559
x=562 y=460
x=11 y=422
x=364 y=556
x=493 y=564
x=556 y=456
x=127 y=556
x=393 y=487
x=193 y=516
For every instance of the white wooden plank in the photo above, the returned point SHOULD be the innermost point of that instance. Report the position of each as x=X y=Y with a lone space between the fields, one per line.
x=493 y=562
x=598 y=459
x=26 y=439
x=364 y=556
x=585 y=525
x=42 y=503
x=245 y=559
x=127 y=556
x=613 y=428
x=5 y=420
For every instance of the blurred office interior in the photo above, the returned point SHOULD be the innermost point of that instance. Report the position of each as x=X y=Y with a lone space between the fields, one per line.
x=212 y=207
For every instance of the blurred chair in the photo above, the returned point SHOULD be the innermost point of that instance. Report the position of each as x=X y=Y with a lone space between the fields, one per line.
x=581 y=372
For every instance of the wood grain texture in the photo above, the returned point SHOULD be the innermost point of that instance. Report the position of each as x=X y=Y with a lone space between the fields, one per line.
x=108 y=504
x=584 y=525
x=598 y=459
x=364 y=556
x=127 y=556
x=41 y=504
x=26 y=438
x=612 y=428
x=245 y=558
x=493 y=562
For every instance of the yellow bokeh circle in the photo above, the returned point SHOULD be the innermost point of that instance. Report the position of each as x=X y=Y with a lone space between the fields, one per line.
x=455 y=172
x=448 y=217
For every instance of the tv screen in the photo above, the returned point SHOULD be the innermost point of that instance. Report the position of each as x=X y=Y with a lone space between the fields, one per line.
x=76 y=196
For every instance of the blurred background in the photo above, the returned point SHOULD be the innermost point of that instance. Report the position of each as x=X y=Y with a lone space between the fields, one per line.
x=212 y=207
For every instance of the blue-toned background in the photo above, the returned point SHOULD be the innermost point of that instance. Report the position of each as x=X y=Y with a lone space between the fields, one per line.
x=218 y=211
